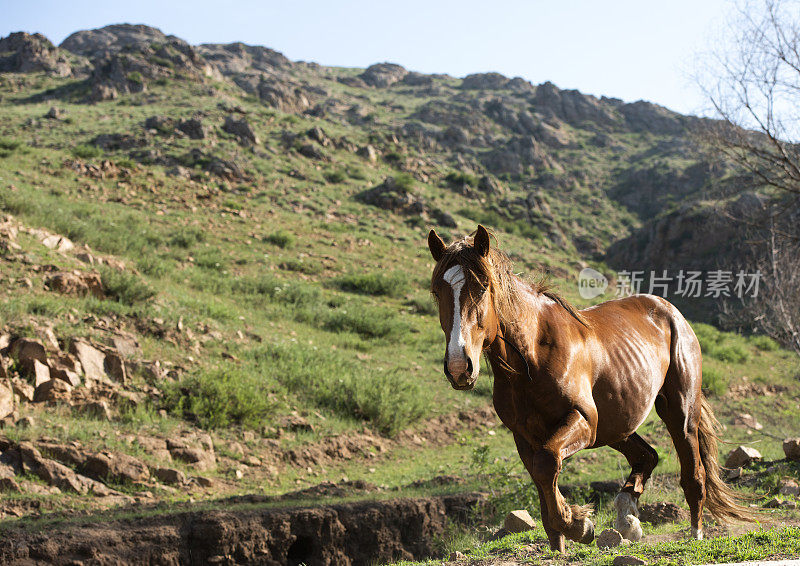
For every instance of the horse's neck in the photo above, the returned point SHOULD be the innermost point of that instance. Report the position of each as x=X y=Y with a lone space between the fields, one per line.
x=528 y=312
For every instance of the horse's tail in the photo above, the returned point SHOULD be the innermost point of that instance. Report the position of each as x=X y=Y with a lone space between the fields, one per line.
x=721 y=501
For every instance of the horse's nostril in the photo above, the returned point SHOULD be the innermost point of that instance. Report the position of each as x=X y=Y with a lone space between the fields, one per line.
x=469 y=365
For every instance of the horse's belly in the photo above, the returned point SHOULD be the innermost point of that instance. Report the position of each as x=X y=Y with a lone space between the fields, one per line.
x=623 y=404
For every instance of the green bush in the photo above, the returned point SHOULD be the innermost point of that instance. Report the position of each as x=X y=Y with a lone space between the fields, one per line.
x=136 y=78
x=85 y=151
x=714 y=382
x=356 y=173
x=332 y=380
x=124 y=287
x=9 y=145
x=281 y=238
x=393 y=157
x=221 y=397
x=335 y=176
x=187 y=237
x=493 y=219
x=457 y=179
x=301 y=266
x=376 y=283
x=716 y=344
x=368 y=322
x=764 y=343
x=404 y=181
x=733 y=353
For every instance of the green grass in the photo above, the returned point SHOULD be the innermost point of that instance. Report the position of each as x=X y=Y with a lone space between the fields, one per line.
x=377 y=284
x=780 y=542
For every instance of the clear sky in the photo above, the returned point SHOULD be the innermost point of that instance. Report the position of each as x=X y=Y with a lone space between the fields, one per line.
x=628 y=49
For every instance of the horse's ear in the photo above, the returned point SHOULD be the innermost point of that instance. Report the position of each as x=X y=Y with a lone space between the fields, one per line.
x=481 y=241
x=436 y=245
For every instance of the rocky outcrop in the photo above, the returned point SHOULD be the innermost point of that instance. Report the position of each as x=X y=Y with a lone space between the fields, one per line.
x=240 y=128
x=382 y=75
x=236 y=58
x=98 y=43
x=22 y=52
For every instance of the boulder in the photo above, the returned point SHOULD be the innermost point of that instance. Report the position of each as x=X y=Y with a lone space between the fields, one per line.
x=368 y=152
x=311 y=151
x=40 y=374
x=169 y=476
x=518 y=521
x=52 y=391
x=318 y=135
x=485 y=81
x=193 y=128
x=54 y=113
x=489 y=185
x=393 y=197
x=22 y=388
x=162 y=124
x=382 y=75
x=115 y=367
x=116 y=467
x=6 y=401
x=58 y=243
x=92 y=360
x=609 y=538
x=64 y=372
x=240 y=128
x=25 y=351
x=126 y=345
x=742 y=456
x=76 y=283
x=98 y=410
x=791 y=448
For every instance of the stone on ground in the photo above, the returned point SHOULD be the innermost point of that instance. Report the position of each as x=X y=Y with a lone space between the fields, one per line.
x=627 y=560
x=791 y=447
x=518 y=521
x=609 y=538
x=742 y=456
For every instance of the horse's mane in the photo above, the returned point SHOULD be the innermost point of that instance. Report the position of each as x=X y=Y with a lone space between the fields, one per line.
x=494 y=272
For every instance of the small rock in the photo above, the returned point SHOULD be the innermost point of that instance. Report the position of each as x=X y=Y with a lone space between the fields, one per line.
x=609 y=538
x=368 y=152
x=203 y=481
x=58 y=243
x=627 y=560
x=193 y=128
x=23 y=389
x=789 y=487
x=791 y=447
x=252 y=461
x=239 y=474
x=54 y=113
x=742 y=456
x=518 y=521
x=240 y=128
x=748 y=420
x=734 y=474
x=25 y=350
x=76 y=283
x=41 y=373
x=456 y=556
x=170 y=476
x=661 y=513
x=499 y=533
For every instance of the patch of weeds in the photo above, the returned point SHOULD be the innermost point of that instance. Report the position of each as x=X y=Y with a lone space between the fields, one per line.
x=456 y=179
x=335 y=176
x=714 y=382
x=221 y=397
x=187 y=236
x=124 y=287
x=281 y=238
x=495 y=220
x=369 y=322
x=764 y=343
x=85 y=151
x=301 y=266
x=376 y=283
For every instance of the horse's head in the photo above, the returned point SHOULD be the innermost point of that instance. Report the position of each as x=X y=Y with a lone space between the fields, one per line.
x=461 y=284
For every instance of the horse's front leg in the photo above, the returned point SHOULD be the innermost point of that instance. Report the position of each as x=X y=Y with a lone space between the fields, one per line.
x=526 y=453
x=575 y=433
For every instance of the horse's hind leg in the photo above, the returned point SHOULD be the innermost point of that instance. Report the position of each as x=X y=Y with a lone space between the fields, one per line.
x=642 y=459
x=681 y=413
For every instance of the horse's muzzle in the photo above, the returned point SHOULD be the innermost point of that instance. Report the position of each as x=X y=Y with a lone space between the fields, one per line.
x=465 y=380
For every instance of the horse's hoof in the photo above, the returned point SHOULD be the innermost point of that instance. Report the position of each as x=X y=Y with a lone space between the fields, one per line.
x=588 y=532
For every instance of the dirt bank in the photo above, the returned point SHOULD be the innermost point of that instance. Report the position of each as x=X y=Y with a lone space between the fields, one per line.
x=344 y=534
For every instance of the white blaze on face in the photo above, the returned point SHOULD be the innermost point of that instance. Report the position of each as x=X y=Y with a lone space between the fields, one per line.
x=455 y=346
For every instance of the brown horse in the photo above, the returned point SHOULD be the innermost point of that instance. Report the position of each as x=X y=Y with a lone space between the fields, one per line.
x=565 y=380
